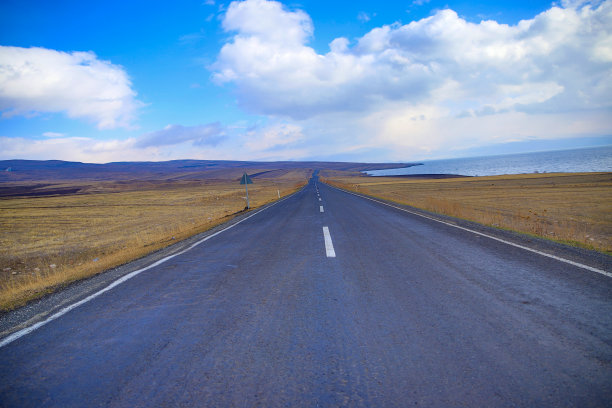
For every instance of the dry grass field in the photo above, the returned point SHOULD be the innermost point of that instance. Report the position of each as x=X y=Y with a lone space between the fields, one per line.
x=82 y=228
x=566 y=207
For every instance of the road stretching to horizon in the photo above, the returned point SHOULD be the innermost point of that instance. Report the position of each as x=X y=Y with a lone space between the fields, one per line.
x=328 y=299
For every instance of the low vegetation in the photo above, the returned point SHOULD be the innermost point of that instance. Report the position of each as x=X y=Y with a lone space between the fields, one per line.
x=57 y=233
x=566 y=207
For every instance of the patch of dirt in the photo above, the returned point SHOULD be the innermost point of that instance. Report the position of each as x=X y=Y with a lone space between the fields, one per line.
x=36 y=190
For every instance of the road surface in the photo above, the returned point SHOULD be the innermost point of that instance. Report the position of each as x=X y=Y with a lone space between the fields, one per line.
x=385 y=309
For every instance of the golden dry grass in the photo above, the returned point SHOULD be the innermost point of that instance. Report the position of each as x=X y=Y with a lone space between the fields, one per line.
x=46 y=242
x=572 y=208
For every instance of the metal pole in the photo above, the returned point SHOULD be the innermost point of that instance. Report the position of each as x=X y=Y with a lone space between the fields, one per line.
x=246 y=185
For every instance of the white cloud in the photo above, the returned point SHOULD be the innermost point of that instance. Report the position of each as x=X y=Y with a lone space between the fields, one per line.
x=363 y=17
x=274 y=141
x=411 y=132
x=268 y=21
x=400 y=92
x=34 y=80
x=192 y=38
x=93 y=150
x=442 y=70
x=277 y=73
x=273 y=137
x=210 y=134
x=68 y=148
x=53 y=134
x=579 y=3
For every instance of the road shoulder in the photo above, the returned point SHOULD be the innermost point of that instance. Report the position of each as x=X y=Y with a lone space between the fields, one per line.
x=41 y=309
x=590 y=258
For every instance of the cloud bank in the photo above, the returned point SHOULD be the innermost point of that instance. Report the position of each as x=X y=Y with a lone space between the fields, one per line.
x=35 y=80
x=209 y=141
x=431 y=88
x=559 y=60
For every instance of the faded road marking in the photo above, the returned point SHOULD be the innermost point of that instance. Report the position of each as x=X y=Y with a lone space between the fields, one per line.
x=329 y=246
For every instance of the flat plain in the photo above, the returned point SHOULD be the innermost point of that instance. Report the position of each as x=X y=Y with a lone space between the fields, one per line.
x=59 y=231
x=56 y=231
x=410 y=312
x=573 y=208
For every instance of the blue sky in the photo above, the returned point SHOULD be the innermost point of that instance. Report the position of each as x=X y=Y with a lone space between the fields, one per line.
x=102 y=81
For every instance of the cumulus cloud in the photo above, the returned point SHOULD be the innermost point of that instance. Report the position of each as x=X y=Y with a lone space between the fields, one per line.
x=34 y=80
x=210 y=134
x=267 y=21
x=558 y=61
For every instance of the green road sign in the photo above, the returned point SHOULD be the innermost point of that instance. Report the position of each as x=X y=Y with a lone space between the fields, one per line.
x=246 y=179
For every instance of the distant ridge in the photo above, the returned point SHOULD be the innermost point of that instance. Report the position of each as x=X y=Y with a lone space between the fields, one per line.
x=27 y=170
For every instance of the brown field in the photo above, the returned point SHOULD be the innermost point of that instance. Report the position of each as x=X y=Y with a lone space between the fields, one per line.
x=566 y=207
x=55 y=233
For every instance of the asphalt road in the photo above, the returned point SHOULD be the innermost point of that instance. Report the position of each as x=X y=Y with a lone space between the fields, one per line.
x=409 y=312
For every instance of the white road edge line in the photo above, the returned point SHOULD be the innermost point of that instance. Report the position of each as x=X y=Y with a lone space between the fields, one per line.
x=18 y=334
x=321 y=208
x=329 y=246
x=567 y=261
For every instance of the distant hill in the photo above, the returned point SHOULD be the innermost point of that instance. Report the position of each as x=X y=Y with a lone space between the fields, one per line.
x=49 y=170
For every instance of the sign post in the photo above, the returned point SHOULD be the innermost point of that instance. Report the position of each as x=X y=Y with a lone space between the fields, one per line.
x=246 y=180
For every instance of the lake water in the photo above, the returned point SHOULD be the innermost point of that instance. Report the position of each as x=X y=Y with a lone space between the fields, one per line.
x=564 y=161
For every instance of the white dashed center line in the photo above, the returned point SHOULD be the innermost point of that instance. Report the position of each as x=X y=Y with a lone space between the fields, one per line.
x=321 y=208
x=329 y=246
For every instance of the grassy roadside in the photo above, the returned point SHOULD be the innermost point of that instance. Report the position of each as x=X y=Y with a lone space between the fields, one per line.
x=47 y=242
x=573 y=208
